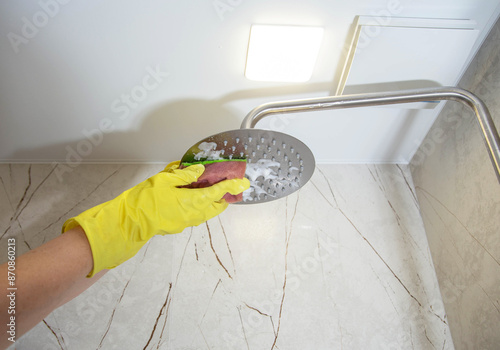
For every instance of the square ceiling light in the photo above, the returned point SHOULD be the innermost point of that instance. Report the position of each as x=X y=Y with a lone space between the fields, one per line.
x=282 y=53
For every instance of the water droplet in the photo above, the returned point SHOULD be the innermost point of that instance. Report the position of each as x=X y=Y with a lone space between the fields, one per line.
x=292 y=149
x=262 y=140
x=246 y=146
x=237 y=140
x=249 y=138
x=233 y=148
x=274 y=141
x=284 y=145
x=298 y=155
x=279 y=152
x=225 y=142
x=286 y=157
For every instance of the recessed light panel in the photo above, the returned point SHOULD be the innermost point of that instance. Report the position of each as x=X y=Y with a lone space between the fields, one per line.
x=282 y=53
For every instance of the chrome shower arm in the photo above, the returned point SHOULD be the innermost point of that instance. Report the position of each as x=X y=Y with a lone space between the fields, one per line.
x=487 y=125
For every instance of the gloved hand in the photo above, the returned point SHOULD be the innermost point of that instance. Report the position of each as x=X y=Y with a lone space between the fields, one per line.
x=117 y=229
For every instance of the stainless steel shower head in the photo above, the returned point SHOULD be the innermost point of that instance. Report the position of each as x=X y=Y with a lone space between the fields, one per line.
x=277 y=164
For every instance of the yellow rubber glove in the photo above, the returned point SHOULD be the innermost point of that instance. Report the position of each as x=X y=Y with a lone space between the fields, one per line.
x=117 y=229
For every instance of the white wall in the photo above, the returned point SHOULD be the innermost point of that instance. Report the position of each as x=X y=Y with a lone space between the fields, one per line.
x=67 y=75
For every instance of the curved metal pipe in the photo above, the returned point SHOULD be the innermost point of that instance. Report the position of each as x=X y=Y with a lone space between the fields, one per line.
x=490 y=133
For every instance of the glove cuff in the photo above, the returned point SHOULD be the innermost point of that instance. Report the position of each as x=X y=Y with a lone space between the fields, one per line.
x=107 y=238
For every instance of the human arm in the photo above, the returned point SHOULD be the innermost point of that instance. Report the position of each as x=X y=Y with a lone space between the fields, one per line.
x=46 y=278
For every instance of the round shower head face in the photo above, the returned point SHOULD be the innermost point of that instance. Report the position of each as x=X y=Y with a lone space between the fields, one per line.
x=277 y=164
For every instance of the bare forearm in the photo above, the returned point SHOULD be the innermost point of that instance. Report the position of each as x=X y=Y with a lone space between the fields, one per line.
x=46 y=278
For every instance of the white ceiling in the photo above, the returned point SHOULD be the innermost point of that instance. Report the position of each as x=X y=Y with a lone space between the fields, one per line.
x=72 y=73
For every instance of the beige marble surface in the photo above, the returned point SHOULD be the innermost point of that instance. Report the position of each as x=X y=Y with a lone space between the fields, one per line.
x=343 y=263
x=459 y=196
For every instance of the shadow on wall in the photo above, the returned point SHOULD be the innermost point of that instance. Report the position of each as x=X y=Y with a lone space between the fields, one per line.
x=168 y=131
x=160 y=134
x=164 y=133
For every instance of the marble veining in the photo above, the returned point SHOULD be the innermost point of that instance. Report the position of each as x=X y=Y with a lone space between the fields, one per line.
x=343 y=263
x=459 y=199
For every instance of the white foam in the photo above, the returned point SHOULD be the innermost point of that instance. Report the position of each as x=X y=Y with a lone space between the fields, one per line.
x=265 y=170
x=208 y=151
